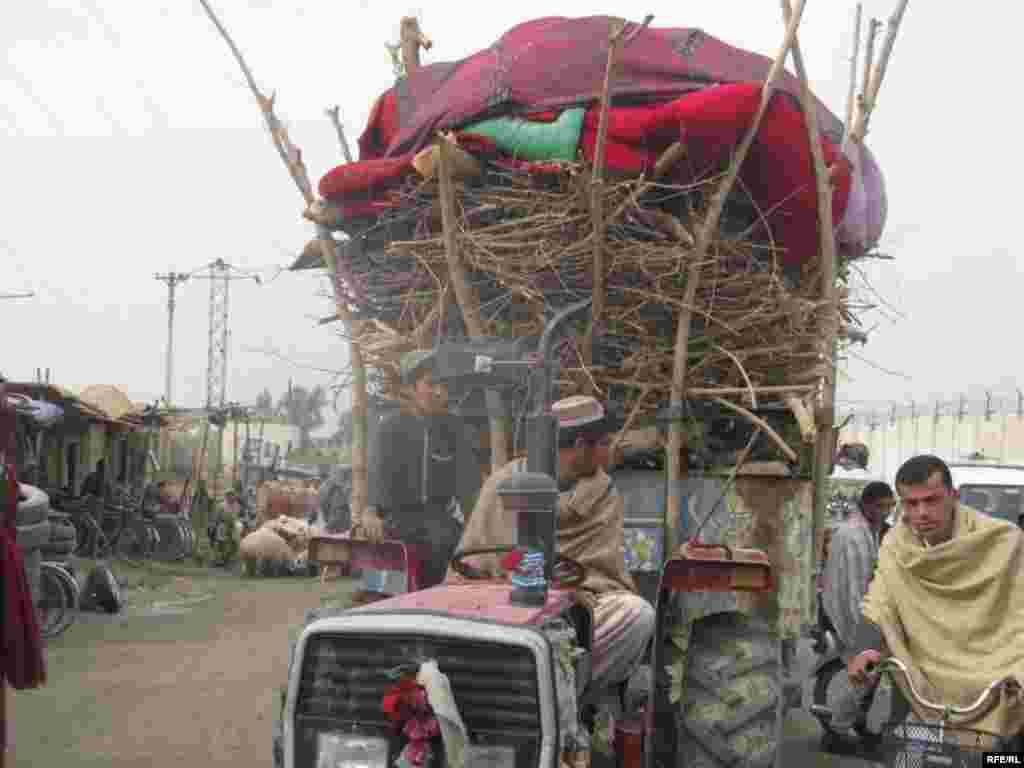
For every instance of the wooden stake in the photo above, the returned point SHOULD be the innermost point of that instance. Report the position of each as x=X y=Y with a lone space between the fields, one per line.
x=869 y=59
x=412 y=39
x=854 y=57
x=874 y=85
x=824 y=452
x=616 y=41
x=334 y=114
x=873 y=82
x=466 y=297
x=704 y=237
x=292 y=158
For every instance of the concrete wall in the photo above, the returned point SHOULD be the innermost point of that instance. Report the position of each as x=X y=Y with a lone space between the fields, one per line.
x=891 y=442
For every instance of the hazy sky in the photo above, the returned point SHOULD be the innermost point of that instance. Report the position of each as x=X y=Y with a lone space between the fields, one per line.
x=131 y=147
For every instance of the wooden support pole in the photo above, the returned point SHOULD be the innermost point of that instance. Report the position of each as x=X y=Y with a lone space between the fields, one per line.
x=466 y=297
x=616 y=41
x=704 y=236
x=873 y=80
x=334 y=113
x=292 y=159
x=412 y=39
x=851 y=92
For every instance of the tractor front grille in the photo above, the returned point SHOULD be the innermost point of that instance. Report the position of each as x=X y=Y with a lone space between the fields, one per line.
x=344 y=678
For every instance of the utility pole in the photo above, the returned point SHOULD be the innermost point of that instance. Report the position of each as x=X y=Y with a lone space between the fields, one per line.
x=961 y=411
x=173 y=279
x=220 y=274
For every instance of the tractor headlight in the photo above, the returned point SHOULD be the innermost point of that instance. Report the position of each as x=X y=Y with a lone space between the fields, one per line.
x=339 y=750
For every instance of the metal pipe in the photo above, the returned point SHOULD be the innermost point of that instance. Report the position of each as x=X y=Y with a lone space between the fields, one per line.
x=542 y=432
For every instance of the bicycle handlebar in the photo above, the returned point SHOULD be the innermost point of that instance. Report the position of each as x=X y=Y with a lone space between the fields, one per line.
x=893 y=664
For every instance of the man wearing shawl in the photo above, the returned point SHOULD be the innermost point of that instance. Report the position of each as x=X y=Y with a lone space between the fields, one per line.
x=590 y=531
x=948 y=600
x=853 y=554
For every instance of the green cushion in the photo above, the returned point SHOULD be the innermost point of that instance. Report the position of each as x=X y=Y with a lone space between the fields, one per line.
x=526 y=140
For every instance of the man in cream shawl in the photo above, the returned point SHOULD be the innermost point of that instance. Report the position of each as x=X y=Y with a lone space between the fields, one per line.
x=948 y=600
x=590 y=531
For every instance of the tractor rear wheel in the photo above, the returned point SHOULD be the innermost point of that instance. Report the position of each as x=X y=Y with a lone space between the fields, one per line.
x=732 y=705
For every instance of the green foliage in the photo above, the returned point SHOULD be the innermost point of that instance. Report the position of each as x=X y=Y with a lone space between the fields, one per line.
x=304 y=409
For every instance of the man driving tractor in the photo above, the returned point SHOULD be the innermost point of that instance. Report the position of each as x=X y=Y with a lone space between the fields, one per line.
x=421 y=471
x=590 y=531
x=947 y=599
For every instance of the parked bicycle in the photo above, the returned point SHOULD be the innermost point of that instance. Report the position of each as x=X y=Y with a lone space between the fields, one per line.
x=60 y=598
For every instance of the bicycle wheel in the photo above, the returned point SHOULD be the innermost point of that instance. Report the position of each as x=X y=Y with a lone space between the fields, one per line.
x=887 y=706
x=172 y=538
x=72 y=592
x=53 y=602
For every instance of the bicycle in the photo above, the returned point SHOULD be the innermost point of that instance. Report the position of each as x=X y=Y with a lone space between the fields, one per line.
x=60 y=599
x=139 y=538
x=944 y=742
x=95 y=538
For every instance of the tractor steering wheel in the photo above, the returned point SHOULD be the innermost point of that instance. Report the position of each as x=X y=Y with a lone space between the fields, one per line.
x=567 y=573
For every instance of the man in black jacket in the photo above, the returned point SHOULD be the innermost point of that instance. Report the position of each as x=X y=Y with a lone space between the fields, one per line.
x=423 y=470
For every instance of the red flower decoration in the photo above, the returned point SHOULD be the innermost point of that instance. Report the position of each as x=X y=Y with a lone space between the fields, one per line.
x=400 y=700
x=511 y=561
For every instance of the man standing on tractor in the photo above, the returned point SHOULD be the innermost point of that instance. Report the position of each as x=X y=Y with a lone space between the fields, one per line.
x=853 y=554
x=947 y=599
x=590 y=531
x=423 y=468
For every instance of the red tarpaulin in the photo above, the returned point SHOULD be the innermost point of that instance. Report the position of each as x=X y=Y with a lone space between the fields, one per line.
x=557 y=62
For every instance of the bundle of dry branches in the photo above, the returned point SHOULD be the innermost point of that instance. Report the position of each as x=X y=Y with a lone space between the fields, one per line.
x=526 y=243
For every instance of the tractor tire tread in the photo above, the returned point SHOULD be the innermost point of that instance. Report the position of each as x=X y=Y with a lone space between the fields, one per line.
x=731 y=713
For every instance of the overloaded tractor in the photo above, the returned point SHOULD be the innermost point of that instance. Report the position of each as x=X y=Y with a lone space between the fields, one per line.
x=494 y=668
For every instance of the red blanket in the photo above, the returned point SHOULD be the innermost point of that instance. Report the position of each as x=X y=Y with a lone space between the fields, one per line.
x=778 y=174
x=553 y=63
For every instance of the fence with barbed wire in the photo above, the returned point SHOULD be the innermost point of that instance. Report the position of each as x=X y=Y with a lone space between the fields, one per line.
x=962 y=428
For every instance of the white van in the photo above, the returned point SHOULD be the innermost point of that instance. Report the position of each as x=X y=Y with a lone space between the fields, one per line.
x=994 y=489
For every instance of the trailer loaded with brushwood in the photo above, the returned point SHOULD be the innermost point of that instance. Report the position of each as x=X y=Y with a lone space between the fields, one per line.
x=644 y=214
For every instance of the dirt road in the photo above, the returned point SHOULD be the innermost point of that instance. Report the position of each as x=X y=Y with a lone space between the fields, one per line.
x=190 y=675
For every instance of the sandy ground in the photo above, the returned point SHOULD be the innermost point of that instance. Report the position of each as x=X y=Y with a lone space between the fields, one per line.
x=190 y=675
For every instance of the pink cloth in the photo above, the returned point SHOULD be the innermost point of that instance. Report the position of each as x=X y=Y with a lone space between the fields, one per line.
x=623 y=625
